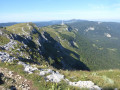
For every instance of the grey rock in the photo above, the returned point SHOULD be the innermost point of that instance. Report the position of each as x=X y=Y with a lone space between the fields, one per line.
x=85 y=84
x=46 y=71
x=55 y=77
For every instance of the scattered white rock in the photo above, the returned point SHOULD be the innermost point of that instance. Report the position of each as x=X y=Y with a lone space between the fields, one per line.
x=85 y=84
x=90 y=28
x=44 y=36
x=107 y=35
x=28 y=68
x=38 y=42
x=66 y=29
x=75 y=44
x=46 y=71
x=1 y=32
x=55 y=77
x=9 y=45
x=76 y=29
x=5 y=57
x=99 y=22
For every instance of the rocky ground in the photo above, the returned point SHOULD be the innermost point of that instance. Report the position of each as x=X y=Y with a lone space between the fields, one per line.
x=55 y=76
x=11 y=80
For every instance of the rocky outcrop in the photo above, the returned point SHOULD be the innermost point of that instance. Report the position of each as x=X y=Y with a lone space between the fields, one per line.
x=5 y=57
x=10 y=45
x=45 y=71
x=85 y=84
x=27 y=68
x=55 y=76
x=42 y=34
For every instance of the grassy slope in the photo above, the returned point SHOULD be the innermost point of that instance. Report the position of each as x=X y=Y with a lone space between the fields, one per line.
x=56 y=32
x=38 y=81
x=107 y=79
x=21 y=29
x=91 y=54
x=96 y=50
x=3 y=40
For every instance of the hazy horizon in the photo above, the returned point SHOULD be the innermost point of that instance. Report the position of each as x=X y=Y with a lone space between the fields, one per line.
x=47 y=10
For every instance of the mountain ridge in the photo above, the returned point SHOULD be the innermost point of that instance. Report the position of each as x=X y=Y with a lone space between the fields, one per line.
x=69 y=45
x=55 y=51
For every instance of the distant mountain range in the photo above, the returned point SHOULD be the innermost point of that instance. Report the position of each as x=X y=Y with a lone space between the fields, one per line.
x=7 y=24
x=43 y=23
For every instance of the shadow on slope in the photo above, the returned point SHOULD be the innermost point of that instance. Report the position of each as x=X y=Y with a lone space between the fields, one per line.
x=61 y=56
x=1 y=81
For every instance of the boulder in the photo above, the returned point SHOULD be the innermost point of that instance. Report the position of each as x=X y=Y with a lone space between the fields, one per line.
x=85 y=84
x=55 y=77
x=27 y=68
x=46 y=71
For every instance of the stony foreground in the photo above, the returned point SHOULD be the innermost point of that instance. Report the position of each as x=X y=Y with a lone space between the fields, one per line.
x=13 y=81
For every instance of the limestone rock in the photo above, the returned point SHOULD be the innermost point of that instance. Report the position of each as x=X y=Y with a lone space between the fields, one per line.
x=85 y=84
x=55 y=77
x=46 y=71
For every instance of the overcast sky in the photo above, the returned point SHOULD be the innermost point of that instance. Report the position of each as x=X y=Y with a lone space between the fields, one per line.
x=45 y=10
